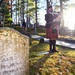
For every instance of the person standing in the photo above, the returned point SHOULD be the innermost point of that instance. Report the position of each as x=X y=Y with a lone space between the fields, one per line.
x=52 y=20
x=24 y=25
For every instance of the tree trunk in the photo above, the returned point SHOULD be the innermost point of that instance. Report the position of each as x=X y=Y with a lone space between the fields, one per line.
x=3 y=20
x=47 y=5
x=23 y=9
x=27 y=14
x=11 y=8
x=35 y=17
x=16 y=11
x=11 y=13
x=61 y=10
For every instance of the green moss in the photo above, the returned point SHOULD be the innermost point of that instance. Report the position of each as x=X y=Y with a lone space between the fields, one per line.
x=51 y=64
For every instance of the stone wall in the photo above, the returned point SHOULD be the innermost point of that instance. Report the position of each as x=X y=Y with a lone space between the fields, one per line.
x=14 y=52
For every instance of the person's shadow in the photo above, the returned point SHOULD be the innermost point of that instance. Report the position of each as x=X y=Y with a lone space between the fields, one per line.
x=39 y=63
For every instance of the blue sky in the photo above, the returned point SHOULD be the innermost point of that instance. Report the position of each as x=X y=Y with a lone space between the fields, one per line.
x=42 y=12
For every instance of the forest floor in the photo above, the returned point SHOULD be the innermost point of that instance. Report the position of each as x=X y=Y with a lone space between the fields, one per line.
x=61 y=63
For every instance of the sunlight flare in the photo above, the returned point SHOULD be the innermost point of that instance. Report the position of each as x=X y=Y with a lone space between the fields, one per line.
x=69 y=18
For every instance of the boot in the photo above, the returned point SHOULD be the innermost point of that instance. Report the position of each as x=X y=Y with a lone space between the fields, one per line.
x=54 y=46
x=50 y=43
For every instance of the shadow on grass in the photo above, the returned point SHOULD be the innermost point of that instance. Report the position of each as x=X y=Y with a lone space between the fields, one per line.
x=37 y=61
x=45 y=64
x=36 y=67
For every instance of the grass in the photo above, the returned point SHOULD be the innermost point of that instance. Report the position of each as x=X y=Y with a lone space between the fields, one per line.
x=39 y=31
x=42 y=32
x=62 y=63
